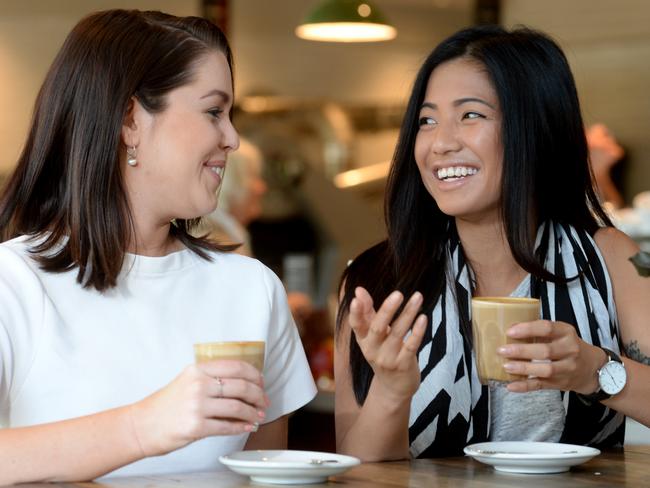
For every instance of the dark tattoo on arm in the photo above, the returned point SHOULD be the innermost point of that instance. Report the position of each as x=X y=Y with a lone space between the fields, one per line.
x=633 y=352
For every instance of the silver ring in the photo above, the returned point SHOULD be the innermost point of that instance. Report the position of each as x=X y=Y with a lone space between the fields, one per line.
x=220 y=391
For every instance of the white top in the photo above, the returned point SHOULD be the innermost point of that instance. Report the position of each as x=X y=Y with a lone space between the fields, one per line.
x=66 y=351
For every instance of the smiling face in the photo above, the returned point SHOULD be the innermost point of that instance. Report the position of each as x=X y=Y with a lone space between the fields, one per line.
x=457 y=148
x=182 y=151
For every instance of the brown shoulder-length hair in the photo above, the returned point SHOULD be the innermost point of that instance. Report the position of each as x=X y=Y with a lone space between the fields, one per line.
x=68 y=186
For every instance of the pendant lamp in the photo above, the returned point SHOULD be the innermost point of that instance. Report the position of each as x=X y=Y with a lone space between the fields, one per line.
x=346 y=21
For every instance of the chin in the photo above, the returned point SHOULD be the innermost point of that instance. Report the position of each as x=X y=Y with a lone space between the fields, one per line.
x=453 y=210
x=198 y=213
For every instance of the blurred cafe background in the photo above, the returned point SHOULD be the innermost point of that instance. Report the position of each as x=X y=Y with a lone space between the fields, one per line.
x=325 y=117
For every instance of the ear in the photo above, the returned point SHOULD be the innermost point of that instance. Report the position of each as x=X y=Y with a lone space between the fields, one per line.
x=133 y=123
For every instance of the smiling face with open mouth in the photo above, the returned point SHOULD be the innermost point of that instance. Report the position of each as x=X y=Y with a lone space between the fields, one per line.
x=458 y=147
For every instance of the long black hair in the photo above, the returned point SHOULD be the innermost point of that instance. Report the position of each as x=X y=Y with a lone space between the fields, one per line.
x=546 y=173
x=68 y=183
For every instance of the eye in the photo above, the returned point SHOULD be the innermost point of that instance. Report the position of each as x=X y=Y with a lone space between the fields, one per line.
x=473 y=115
x=426 y=121
x=215 y=112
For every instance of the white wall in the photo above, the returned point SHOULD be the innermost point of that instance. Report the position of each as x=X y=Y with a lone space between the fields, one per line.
x=608 y=46
x=31 y=33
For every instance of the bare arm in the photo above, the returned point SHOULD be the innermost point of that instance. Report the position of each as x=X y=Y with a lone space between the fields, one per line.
x=378 y=431
x=573 y=363
x=632 y=297
x=194 y=405
x=78 y=449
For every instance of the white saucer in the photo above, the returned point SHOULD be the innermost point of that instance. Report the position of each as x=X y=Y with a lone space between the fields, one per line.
x=288 y=467
x=530 y=457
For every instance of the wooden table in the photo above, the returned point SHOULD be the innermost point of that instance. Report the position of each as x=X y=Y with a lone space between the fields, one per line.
x=629 y=468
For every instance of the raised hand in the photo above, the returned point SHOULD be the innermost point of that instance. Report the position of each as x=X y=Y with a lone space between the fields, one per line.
x=565 y=362
x=220 y=397
x=383 y=340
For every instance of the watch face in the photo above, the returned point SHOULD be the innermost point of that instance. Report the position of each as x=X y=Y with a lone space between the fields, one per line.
x=612 y=377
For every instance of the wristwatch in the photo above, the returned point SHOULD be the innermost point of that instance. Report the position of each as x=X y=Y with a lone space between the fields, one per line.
x=611 y=379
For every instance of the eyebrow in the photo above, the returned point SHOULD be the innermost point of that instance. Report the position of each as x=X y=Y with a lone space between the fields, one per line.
x=221 y=93
x=459 y=102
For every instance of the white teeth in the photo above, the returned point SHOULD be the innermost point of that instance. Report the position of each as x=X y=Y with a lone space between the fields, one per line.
x=456 y=172
x=218 y=170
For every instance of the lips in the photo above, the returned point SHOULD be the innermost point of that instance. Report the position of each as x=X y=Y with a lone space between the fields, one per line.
x=455 y=172
x=217 y=167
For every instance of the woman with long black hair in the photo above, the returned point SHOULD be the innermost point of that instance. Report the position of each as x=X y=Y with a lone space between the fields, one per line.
x=490 y=194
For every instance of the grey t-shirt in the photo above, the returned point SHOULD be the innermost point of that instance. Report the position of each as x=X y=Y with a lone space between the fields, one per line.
x=534 y=416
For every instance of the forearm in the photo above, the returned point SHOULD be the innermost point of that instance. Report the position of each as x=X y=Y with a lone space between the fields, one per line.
x=71 y=450
x=380 y=431
x=633 y=399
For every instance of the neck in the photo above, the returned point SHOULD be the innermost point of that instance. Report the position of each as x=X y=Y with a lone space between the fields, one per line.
x=152 y=239
x=488 y=253
x=150 y=233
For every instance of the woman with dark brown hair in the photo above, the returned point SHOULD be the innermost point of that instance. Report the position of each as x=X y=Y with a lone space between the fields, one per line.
x=103 y=290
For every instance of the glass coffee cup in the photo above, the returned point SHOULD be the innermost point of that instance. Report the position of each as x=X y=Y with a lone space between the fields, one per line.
x=251 y=352
x=491 y=319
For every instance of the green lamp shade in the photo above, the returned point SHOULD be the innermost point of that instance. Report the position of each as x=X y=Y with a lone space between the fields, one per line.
x=346 y=21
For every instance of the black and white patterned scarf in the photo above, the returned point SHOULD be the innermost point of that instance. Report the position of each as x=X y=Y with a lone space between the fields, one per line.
x=451 y=408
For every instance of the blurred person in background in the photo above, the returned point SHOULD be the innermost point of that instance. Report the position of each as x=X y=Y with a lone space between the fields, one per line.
x=240 y=198
x=240 y=202
x=604 y=153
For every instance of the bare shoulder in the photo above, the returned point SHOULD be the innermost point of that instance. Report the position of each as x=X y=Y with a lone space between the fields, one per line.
x=612 y=241
x=617 y=248
x=631 y=292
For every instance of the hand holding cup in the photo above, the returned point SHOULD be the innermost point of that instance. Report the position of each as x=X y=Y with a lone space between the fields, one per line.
x=222 y=394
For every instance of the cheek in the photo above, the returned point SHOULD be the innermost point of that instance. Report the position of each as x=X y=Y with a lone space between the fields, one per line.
x=420 y=151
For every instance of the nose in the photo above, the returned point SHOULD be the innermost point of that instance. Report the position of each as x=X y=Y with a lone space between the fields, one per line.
x=229 y=137
x=445 y=139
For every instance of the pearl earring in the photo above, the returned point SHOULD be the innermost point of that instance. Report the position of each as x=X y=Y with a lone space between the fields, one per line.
x=130 y=156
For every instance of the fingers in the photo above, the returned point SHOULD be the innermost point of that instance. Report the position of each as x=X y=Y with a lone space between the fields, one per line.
x=411 y=346
x=227 y=368
x=554 y=341
x=400 y=327
x=380 y=335
x=553 y=350
x=543 y=369
x=372 y=327
x=228 y=427
x=538 y=329
x=395 y=343
x=361 y=312
x=230 y=409
x=238 y=389
x=531 y=330
x=380 y=324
